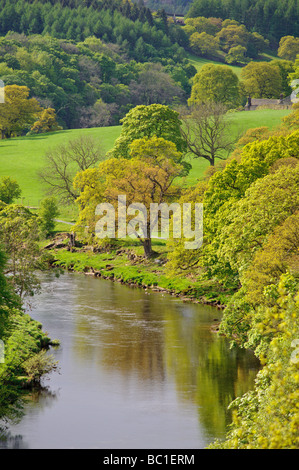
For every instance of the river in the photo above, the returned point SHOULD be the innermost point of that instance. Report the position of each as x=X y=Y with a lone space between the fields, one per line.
x=137 y=369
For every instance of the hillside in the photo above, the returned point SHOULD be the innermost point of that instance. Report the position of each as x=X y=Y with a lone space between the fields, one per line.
x=179 y=7
x=22 y=157
x=271 y=18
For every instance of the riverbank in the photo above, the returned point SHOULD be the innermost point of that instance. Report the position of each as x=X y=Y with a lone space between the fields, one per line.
x=24 y=361
x=127 y=265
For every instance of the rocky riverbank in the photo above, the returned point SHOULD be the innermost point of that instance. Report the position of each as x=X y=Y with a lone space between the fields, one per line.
x=127 y=266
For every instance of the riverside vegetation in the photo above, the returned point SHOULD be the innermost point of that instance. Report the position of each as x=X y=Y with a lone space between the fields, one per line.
x=260 y=305
x=248 y=264
x=133 y=65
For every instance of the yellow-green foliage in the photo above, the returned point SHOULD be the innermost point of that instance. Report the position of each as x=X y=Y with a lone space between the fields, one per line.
x=251 y=245
x=268 y=416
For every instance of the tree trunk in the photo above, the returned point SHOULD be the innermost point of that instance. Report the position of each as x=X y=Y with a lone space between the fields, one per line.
x=72 y=240
x=147 y=245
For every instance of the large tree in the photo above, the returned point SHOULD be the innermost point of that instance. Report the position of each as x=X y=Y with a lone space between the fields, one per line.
x=204 y=44
x=18 y=112
x=46 y=122
x=207 y=131
x=154 y=85
x=19 y=235
x=146 y=178
x=262 y=80
x=288 y=48
x=216 y=83
x=155 y=120
x=9 y=190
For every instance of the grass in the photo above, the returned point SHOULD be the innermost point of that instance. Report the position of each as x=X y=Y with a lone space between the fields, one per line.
x=240 y=122
x=22 y=157
x=198 y=62
x=142 y=273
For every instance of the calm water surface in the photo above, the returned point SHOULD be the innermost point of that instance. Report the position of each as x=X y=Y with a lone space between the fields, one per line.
x=137 y=370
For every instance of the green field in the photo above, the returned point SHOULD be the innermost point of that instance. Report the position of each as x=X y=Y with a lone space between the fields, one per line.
x=22 y=157
x=240 y=122
x=198 y=62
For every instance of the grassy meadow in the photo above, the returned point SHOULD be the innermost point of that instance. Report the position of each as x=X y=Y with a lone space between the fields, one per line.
x=239 y=123
x=22 y=157
x=198 y=62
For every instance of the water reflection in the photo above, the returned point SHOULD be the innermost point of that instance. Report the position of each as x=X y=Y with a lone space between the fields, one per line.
x=42 y=397
x=158 y=337
x=138 y=369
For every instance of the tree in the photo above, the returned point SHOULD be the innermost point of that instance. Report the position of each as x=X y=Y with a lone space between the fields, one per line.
x=63 y=162
x=98 y=115
x=261 y=80
x=148 y=121
x=267 y=203
x=146 y=177
x=47 y=212
x=46 y=122
x=224 y=194
x=215 y=83
x=201 y=25
x=155 y=86
x=18 y=112
x=19 y=235
x=256 y=45
x=9 y=190
x=286 y=67
x=204 y=44
x=291 y=121
x=236 y=55
x=267 y=416
x=288 y=48
x=279 y=255
x=232 y=36
x=207 y=131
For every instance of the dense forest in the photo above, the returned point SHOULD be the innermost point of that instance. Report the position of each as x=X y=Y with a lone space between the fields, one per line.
x=93 y=63
x=142 y=34
x=178 y=7
x=93 y=58
x=89 y=83
x=271 y=18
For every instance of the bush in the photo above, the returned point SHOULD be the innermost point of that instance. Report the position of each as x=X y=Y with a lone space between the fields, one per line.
x=48 y=211
x=39 y=365
x=9 y=190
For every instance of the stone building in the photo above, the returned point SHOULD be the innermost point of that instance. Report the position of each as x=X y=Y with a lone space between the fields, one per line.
x=281 y=103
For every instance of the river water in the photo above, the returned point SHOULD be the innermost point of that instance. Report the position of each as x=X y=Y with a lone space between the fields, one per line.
x=138 y=369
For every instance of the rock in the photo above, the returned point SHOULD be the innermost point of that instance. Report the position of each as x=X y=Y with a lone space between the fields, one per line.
x=49 y=246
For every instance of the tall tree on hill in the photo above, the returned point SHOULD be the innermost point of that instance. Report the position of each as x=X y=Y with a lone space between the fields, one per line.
x=149 y=121
x=18 y=112
x=262 y=80
x=217 y=84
